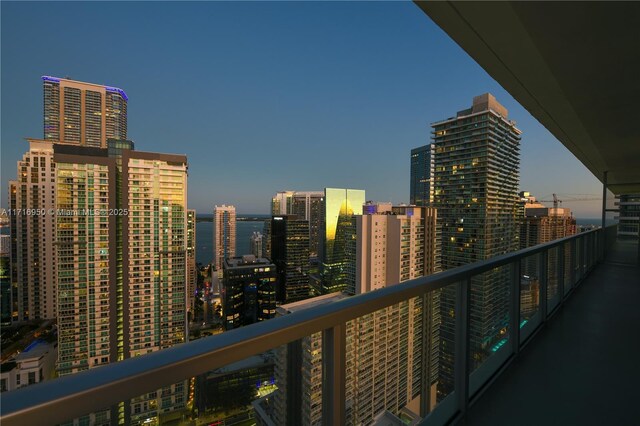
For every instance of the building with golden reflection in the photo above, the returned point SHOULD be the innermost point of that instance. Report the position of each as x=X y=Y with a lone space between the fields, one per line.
x=338 y=234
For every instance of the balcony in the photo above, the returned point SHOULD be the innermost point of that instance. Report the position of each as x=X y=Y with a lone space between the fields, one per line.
x=568 y=352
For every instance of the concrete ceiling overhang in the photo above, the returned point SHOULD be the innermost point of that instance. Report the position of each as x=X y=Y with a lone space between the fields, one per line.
x=575 y=66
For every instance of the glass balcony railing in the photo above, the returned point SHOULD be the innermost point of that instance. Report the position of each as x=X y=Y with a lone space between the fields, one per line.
x=434 y=343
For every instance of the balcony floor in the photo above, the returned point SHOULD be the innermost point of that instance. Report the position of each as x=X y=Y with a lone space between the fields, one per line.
x=583 y=367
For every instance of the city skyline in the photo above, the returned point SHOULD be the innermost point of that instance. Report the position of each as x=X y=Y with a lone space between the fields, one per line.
x=370 y=94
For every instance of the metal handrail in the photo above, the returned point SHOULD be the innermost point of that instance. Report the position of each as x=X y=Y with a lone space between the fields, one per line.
x=96 y=389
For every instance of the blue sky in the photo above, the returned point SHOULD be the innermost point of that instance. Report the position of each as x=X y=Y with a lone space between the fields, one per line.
x=267 y=96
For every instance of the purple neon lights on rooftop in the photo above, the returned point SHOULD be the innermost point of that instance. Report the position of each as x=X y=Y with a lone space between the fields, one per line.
x=117 y=90
x=49 y=78
x=107 y=88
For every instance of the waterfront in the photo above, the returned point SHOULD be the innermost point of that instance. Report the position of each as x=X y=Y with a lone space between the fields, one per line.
x=204 y=238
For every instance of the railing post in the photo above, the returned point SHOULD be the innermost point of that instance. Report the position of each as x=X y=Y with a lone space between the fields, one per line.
x=544 y=283
x=463 y=324
x=425 y=360
x=562 y=259
x=604 y=211
x=516 y=276
x=333 y=374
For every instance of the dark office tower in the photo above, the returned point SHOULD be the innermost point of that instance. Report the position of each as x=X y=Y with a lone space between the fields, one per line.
x=290 y=254
x=249 y=289
x=83 y=113
x=421 y=191
x=338 y=233
x=308 y=205
x=476 y=171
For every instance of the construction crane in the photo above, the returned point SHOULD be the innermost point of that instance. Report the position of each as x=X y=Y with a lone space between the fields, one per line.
x=555 y=202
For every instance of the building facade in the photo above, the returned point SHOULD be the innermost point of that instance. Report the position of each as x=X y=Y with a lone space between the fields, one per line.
x=192 y=269
x=393 y=247
x=249 y=288
x=476 y=177
x=224 y=234
x=83 y=113
x=33 y=236
x=338 y=233
x=421 y=184
x=256 y=242
x=629 y=216
x=290 y=254
x=307 y=205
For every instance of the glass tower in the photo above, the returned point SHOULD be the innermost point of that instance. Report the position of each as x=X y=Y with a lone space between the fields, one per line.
x=421 y=188
x=338 y=237
x=476 y=177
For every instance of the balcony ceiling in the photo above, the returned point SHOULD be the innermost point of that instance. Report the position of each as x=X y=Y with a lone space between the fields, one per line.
x=575 y=66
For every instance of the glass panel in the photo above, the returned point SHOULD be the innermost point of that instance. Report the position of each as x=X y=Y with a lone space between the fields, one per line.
x=489 y=340
x=529 y=290
x=554 y=264
x=578 y=260
x=569 y=263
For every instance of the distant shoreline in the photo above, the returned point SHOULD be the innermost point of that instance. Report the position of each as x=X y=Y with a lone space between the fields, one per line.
x=242 y=218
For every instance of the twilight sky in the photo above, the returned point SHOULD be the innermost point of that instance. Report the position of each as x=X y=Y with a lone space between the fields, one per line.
x=268 y=96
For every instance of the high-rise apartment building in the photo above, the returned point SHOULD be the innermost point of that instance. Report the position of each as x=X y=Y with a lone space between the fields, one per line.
x=338 y=233
x=249 y=287
x=82 y=113
x=224 y=234
x=281 y=203
x=421 y=185
x=476 y=176
x=121 y=253
x=33 y=248
x=121 y=259
x=629 y=216
x=290 y=254
x=540 y=224
x=192 y=269
x=256 y=243
x=298 y=372
x=393 y=247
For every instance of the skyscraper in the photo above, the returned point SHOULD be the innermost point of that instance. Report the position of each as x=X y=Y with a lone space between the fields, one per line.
x=224 y=234
x=33 y=236
x=256 y=242
x=307 y=205
x=192 y=269
x=83 y=113
x=338 y=233
x=421 y=187
x=120 y=294
x=290 y=254
x=393 y=247
x=121 y=255
x=540 y=224
x=476 y=176
x=249 y=287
